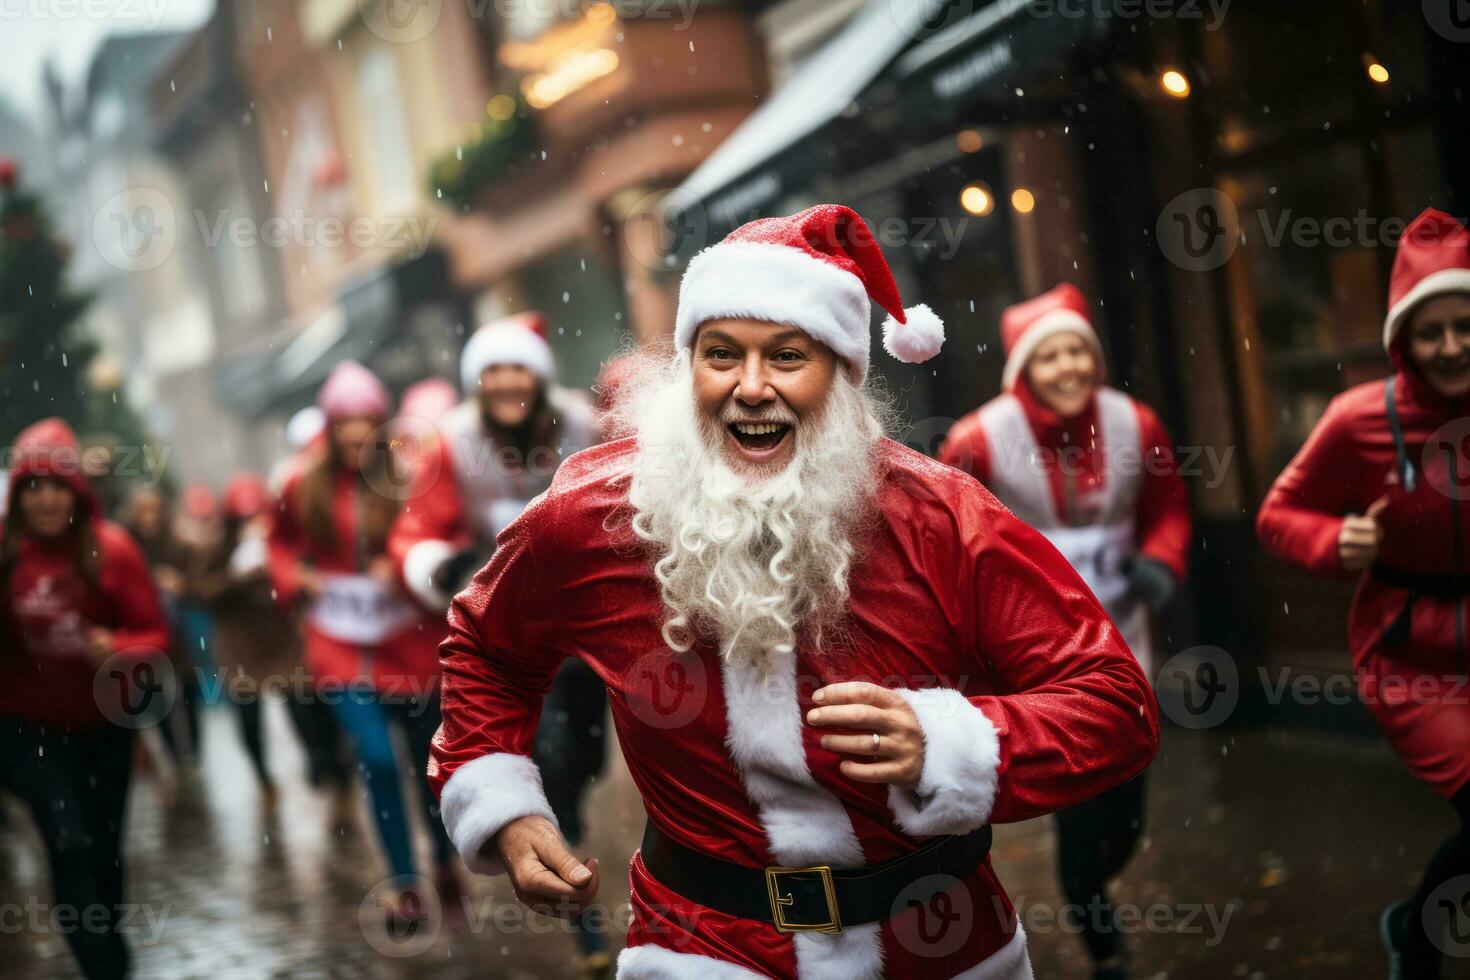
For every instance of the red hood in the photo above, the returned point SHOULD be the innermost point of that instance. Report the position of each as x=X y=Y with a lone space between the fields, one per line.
x=50 y=448
x=1418 y=388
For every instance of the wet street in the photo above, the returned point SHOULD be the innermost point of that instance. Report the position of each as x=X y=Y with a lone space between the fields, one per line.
x=1227 y=884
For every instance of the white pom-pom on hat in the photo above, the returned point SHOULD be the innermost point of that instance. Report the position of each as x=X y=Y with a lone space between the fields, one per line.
x=918 y=338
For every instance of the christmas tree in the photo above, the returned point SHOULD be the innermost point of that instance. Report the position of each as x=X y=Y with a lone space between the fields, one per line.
x=44 y=355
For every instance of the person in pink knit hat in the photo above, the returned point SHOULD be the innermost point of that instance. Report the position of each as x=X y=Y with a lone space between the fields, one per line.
x=370 y=649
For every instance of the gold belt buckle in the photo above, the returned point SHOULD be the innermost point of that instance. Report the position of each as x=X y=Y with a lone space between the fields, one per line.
x=780 y=902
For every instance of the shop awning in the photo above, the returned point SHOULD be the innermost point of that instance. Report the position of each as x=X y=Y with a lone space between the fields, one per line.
x=752 y=168
x=994 y=56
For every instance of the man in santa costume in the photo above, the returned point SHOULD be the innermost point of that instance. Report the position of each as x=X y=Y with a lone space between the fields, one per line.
x=1377 y=493
x=1093 y=470
x=833 y=662
x=489 y=457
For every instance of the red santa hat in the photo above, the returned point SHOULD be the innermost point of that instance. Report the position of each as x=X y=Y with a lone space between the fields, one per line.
x=352 y=391
x=519 y=339
x=820 y=271
x=49 y=448
x=430 y=399
x=199 y=501
x=1433 y=259
x=245 y=496
x=1024 y=326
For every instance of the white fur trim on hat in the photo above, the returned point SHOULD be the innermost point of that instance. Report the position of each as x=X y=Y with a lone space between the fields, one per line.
x=777 y=284
x=918 y=338
x=1053 y=323
x=961 y=766
x=484 y=795
x=506 y=343
x=1432 y=285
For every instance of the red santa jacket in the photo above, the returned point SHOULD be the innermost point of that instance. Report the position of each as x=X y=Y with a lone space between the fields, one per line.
x=357 y=628
x=46 y=675
x=1028 y=697
x=1347 y=463
x=1110 y=468
x=464 y=492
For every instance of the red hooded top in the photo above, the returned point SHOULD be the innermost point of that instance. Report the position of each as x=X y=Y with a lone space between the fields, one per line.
x=46 y=675
x=1347 y=463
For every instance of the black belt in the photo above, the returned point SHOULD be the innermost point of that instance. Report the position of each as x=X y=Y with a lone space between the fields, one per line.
x=814 y=899
x=1435 y=584
x=1418 y=585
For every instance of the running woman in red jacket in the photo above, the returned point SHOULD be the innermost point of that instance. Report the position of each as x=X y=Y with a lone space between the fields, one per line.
x=75 y=594
x=1379 y=488
x=372 y=652
x=1094 y=471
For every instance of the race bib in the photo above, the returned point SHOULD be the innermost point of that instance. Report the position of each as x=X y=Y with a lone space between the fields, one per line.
x=360 y=609
x=1098 y=553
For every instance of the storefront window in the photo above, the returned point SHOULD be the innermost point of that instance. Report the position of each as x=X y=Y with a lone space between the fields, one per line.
x=1306 y=289
x=579 y=293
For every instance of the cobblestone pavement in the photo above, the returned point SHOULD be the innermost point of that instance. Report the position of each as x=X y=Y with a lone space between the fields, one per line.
x=1268 y=854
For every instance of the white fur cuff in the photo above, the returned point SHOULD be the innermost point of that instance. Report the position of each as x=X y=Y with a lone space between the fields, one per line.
x=420 y=563
x=961 y=760
x=484 y=795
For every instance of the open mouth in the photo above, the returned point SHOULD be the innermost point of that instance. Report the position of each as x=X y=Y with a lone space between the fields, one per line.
x=758 y=438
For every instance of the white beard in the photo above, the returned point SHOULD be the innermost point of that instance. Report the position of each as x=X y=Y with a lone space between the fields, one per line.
x=744 y=558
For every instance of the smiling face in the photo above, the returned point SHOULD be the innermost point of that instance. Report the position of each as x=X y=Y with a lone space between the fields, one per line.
x=1439 y=343
x=508 y=394
x=761 y=384
x=1063 y=373
x=349 y=436
x=47 y=505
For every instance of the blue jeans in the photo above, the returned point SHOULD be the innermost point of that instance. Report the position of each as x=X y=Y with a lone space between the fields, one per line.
x=366 y=722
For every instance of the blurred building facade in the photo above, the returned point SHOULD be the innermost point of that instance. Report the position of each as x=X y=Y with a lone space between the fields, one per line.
x=120 y=202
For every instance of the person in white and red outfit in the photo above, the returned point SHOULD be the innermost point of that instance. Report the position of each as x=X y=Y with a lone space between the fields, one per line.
x=370 y=649
x=75 y=596
x=499 y=448
x=1094 y=471
x=495 y=452
x=1377 y=494
x=832 y=662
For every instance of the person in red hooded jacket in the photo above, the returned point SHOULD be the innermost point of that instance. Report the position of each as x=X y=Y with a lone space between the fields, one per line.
x=371 y=650
x=78 y=610
x=1377 y=493
x=1093 y=470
